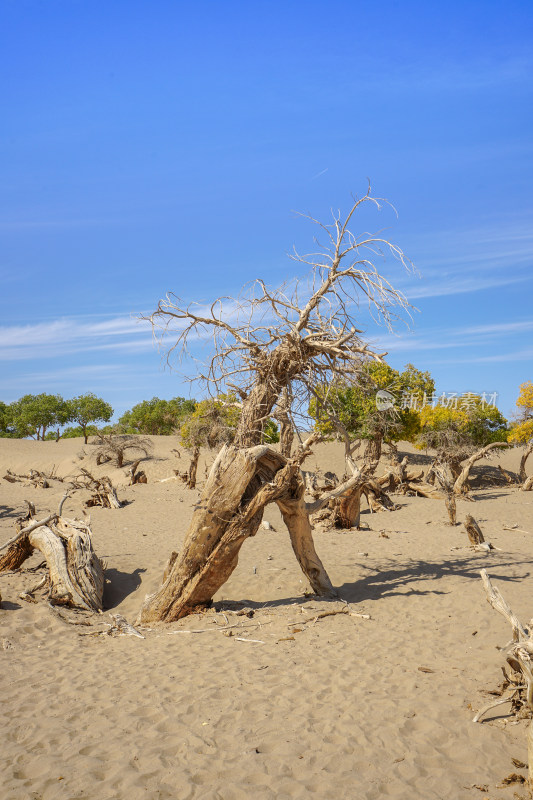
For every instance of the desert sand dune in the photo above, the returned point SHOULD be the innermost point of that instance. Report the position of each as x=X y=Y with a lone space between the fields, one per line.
x=277 y=702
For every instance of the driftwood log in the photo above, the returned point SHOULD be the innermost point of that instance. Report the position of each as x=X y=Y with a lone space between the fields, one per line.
x=33 y=478
x=518 y=655
x=75 y=573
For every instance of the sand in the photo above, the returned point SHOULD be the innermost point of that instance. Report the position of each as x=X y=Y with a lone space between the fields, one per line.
x=286 y=707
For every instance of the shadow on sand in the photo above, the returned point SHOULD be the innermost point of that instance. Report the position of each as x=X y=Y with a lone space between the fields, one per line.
x=119 y=585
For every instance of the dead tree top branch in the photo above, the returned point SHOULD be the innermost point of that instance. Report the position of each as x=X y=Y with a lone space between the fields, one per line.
x=300 y=335
x=272 y=347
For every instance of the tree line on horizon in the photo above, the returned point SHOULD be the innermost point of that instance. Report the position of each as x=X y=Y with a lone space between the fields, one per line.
x=413 y=417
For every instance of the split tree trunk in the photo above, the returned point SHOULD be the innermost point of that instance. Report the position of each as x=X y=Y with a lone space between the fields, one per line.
x=240 y=484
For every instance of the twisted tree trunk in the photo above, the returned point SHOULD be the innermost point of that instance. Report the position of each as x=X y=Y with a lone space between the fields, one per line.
x=372 y=451
x=461 y=484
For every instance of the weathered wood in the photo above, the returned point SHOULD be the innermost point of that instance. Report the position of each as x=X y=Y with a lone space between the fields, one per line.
x=518 y=655
x=461 y=483
x=208 y=556
x=76 y=574
x=425 y=490
x=451 y=508
x=528 y=484
x=295 y=514
x=137 y=475
x=377 y=499
x=349 y=509
x=525 y=455
x=241 y=483
x=473 y=530
x=508 y=476
x=190 y=475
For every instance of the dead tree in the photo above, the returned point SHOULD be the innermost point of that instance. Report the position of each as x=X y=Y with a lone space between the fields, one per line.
x=113 y=447
x=518 y=686
x=461 y=484
x=75 y=573
x=193 y=469
x=137 y=475
x=445 y=482
x=269 y=341
x=528 y=484
x=103 y=492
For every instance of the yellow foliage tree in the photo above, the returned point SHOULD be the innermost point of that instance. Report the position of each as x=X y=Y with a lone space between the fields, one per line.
x=522 y=430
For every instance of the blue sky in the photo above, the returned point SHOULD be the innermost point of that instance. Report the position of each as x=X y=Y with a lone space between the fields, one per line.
x=164 y=146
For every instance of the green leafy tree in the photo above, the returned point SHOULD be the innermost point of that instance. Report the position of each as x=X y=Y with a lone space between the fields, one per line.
x=355 y=410
x=6 y=428
x=87 y=408
x=74 y=432
x=157 y=417
x=212 y=423
x=32 y=414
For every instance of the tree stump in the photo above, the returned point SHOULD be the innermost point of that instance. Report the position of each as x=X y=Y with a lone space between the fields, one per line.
x=473 y=530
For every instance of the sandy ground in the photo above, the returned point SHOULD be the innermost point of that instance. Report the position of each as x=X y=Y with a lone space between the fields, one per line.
x=285 y=707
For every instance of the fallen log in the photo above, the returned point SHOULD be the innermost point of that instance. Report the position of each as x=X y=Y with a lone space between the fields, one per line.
x=425 y=490
x=75 y=573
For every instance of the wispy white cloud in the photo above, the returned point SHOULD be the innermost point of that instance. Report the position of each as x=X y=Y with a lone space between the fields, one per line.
x=72 y=334
x=459 y=337
x=450 y=286
x=498 y=253
x=520 y=354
